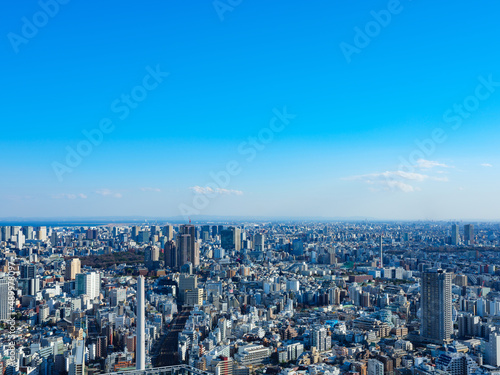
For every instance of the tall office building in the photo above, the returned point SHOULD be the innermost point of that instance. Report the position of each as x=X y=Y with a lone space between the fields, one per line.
x=73 y=267
x=231 y=239
x=43 y=313
x=135 y=232
x=151 y=256
x=239 y=236
x=205 y=232
x=258 y=241
x=187 y=245
x=5 y=304
x=171 y=256
x=29 y=287
x=186 y=283
x=15 y=230
x=436 y=306
x=168 y=231
x=41 y=233
x=101 y=346
x=141 y=326
x=297 y=247
x=89 y=284
x=188 y=229
x=455 y=235
x=215 y=231
x=183 y=248
x=92 y=234
x=492 y=354
x=20 y=240
x=156 y=230
x=28 y=271
x=28 y=232
x=469 y=234
x=53 y=238
x=144 y=236
x=6 y=234
x=227 y=239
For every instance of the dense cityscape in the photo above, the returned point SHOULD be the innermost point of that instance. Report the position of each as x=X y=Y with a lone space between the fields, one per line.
x=238 y=298
x=232 y=187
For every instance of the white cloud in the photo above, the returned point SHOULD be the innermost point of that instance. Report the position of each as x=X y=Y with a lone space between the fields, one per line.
x=429 y=164
x=412 y=176
x=207 y=190
x=108 y=193
x=150 y=189
x=69 y=196
x=229 y=192
x=393 y=185
x=487 y=165
x=395 y=180
x=401 y=186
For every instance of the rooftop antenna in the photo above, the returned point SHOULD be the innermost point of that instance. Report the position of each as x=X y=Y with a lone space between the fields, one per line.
x=381 y=251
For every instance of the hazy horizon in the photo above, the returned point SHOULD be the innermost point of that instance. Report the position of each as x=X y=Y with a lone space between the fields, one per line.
x=227 y=218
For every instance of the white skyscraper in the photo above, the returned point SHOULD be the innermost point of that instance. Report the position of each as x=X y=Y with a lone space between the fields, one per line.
x=21 y=239
x=381 y=252
x=141 y=326
x=89 y=284
x=5 y=305
x=492 y=356
x=481 y=307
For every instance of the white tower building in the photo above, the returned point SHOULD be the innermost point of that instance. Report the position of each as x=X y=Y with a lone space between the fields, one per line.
x=436 y=305
x=381 y=252
x=141 y=326
x=493 y=350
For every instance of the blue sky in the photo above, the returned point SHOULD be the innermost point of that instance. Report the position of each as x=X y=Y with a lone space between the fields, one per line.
x=231 y=68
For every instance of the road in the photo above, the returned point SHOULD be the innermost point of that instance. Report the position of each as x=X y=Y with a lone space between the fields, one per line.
x=166 y=352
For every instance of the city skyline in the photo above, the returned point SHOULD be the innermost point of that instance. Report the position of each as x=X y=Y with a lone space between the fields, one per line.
x=333 y=298
x=234 y=187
